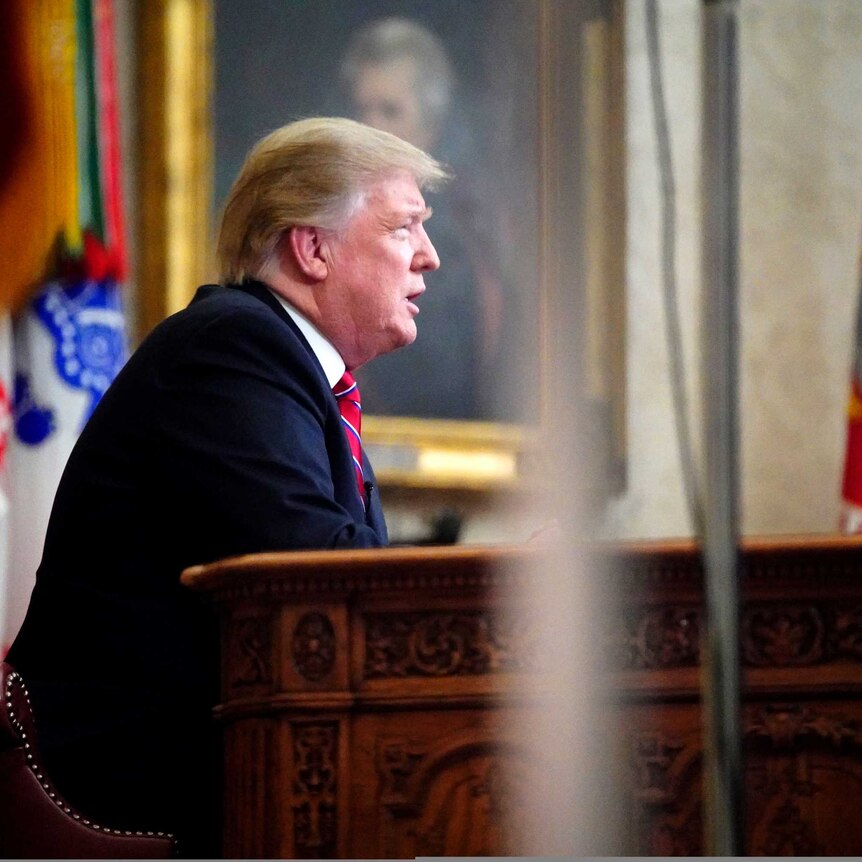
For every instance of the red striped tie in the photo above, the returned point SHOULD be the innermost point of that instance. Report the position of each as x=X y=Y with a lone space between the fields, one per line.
x=346 y=393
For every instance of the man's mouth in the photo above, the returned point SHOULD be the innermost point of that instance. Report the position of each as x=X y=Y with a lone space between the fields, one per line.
x=411 y=301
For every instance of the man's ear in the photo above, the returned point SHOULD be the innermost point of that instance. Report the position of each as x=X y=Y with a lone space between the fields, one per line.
x=305 y=244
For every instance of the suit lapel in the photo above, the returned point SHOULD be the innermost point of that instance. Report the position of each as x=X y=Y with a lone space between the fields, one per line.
x=374 y=515
x=260 y=291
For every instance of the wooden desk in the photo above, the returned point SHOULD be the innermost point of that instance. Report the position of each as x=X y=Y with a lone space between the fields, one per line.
x=366 y=697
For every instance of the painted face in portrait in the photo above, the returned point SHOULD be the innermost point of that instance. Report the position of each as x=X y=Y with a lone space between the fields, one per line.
x=386 y=97
x=376 y=265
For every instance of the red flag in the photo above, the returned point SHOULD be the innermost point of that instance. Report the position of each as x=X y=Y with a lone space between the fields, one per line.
x=851 y=491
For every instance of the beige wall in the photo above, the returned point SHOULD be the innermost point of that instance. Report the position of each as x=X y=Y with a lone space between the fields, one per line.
x=801 y=228
x=801 y=218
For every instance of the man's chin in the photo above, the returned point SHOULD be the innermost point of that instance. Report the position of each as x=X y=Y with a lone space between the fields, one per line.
x=405 y=337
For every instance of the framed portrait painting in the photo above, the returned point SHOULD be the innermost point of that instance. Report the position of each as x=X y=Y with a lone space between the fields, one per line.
x=495 y=92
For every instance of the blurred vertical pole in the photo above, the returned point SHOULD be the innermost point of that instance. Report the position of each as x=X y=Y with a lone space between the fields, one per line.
x=569 y=804
x=723 y=774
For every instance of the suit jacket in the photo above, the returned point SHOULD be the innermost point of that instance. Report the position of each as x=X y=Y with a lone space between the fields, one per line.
x=219 y=437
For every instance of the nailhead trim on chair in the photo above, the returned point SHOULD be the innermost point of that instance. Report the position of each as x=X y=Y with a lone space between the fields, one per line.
x=19 y=728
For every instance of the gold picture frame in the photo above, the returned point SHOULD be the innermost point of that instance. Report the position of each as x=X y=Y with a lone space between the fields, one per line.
x=580 y=62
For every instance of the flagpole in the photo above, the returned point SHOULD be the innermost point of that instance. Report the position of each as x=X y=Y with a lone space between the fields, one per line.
x=723 y=774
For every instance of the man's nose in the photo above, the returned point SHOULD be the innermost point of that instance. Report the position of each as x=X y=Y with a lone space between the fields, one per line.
x=426 y=259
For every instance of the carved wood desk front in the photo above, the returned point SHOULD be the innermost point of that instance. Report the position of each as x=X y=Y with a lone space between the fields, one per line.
x=366 y=696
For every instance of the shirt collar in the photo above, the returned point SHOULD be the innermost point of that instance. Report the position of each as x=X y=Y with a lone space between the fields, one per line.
x=328 y=357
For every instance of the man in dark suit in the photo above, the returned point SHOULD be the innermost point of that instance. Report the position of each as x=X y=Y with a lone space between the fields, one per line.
x=221 y=436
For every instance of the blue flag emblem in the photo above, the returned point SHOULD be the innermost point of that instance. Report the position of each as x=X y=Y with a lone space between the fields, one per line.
x=86 y=323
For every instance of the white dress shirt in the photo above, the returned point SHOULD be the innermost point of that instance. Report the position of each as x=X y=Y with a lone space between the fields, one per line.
x=328 y=357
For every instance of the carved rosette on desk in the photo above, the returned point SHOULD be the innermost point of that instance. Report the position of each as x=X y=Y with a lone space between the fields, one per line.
x=367 y=700
x=313 y=647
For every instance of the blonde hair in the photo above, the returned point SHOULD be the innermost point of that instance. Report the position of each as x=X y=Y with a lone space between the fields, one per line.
x=311 y=172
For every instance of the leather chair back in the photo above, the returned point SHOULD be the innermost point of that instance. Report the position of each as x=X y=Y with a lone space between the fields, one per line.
x=35 y=821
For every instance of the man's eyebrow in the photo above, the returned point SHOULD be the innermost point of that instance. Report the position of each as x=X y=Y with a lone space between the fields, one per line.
x=417 y=213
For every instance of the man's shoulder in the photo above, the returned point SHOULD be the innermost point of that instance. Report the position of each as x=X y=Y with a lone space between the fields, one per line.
x=230 y=308
x=231 y=319
x=214 y=299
